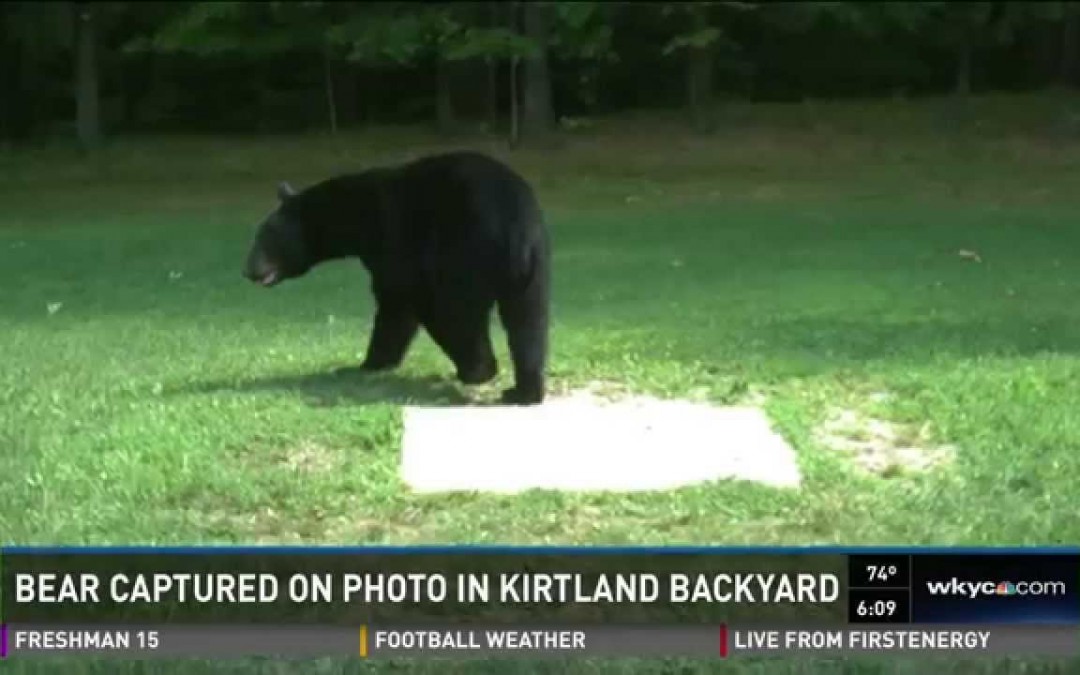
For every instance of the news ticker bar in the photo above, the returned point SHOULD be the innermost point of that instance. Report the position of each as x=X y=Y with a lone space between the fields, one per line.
x=449 y=641
x=193 y=586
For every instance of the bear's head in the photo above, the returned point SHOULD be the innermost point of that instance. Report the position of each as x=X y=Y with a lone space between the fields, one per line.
x=280 y=250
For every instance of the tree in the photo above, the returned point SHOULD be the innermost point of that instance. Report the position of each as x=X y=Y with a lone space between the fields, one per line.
x=1064 y=13
x=495 y=22
x=1066 y=70
x=31 y=34
x=962 y=28
x=397 y=35
x=965 y=27
x=962 y=25
x=699 y=43
x=254 y=30
x=77 y=34
x=88 y=108
x=400 y=35
x=581 y=35
x=568 y=30
x=537 y=114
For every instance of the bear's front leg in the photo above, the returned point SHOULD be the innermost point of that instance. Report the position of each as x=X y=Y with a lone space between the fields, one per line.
x=395 y=327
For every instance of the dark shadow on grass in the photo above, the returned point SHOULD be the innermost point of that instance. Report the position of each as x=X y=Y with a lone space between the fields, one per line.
x=346 y=386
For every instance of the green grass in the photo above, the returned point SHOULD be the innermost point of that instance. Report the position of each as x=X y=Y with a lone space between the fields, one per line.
x=805 y=255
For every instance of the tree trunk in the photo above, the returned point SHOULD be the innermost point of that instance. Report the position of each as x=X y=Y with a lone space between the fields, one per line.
x=515 y=114
x=444 y=104
x=129 y=102
x=963 y=65
x=88 y=112
x=492 y=67
x=371 y=82
x=12 y=114
x=537 y=113
x=328 y=82
x=345 y=94
x=1067 y=63
x=699 y=75
x=699 y=64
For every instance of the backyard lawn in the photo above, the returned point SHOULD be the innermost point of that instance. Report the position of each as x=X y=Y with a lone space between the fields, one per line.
x=887 y=264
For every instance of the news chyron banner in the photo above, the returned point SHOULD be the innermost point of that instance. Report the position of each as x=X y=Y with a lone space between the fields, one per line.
x=375 y=603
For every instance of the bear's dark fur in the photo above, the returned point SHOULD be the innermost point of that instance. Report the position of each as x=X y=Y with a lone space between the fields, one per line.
x=444 y=238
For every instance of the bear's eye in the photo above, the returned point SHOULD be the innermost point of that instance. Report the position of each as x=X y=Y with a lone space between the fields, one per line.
x=273 y=232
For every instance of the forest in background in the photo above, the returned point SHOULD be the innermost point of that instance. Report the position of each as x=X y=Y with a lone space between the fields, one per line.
x=91 y=70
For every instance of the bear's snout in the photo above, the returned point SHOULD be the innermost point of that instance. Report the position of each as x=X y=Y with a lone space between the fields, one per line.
x=267 y=278
x=260 y=271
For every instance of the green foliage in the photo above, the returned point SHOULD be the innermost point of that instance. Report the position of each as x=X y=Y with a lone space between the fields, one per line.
x=247 y=28
x=696 y=40
x=405 y=34
x=677 y=7
x=909 y=46
x=941 y=21
x=386 y=38
x=702 y=34
x=581 y=31
x=1014 y=15
x=860 y=17
x=948 y=22
x=498 y=43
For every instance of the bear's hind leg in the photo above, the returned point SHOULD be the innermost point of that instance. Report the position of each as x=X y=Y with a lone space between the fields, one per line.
x=524 y=315
x=395 y=327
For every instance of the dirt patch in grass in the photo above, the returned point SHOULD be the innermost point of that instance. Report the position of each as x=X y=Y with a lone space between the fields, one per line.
x=610 y=392
x=602 y=390
x=267 y=525
x=307 y=457
x=882 y=447
x=304 y=457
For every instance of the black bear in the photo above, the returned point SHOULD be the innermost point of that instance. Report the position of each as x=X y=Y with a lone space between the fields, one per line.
x=444 y=239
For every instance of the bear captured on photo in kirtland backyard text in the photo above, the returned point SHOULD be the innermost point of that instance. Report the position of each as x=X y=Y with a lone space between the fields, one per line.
x=445 y=238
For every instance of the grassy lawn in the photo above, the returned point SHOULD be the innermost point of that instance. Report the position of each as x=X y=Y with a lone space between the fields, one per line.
x=805 y=256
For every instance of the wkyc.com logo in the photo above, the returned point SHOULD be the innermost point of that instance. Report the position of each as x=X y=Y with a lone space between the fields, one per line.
x=977 y=589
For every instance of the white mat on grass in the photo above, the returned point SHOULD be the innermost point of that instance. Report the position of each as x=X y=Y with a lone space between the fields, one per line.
x=581 y=444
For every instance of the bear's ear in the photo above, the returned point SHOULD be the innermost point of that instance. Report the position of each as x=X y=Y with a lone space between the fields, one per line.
x=284 y=191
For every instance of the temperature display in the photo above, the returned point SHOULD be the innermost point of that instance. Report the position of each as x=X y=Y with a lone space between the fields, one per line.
x=878 y=588
x=879 y=571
